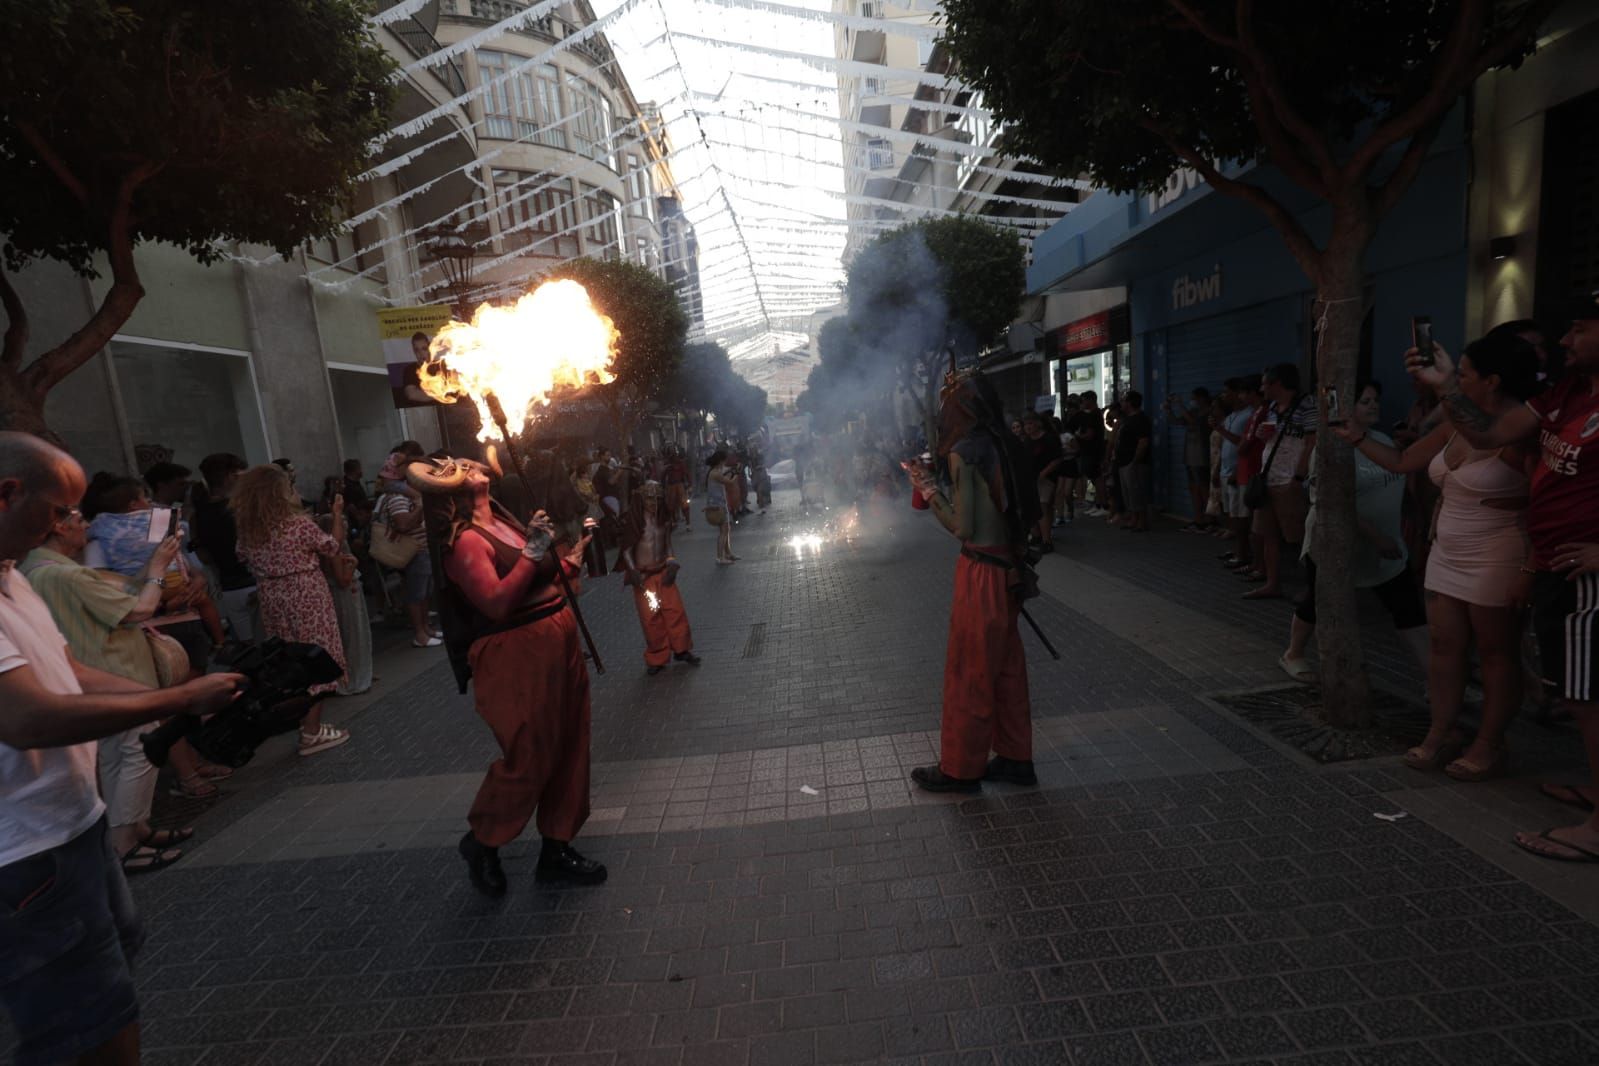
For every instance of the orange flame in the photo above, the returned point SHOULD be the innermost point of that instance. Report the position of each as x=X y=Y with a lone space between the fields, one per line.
x=551 y=338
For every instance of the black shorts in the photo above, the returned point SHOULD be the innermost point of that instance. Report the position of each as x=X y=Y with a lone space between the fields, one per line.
x=1067 y=471
x=1564 y=615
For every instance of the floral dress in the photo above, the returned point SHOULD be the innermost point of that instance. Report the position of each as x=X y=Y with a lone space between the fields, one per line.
x=296 y=604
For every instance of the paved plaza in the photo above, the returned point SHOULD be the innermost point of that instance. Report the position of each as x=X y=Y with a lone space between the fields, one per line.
x=1180 y=889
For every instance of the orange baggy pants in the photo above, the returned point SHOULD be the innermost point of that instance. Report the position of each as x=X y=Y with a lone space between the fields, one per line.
x=986 y=707
x=666 y=631
x=532 y=688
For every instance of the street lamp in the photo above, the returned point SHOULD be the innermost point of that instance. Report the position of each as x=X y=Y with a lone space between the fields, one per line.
x=453 y=249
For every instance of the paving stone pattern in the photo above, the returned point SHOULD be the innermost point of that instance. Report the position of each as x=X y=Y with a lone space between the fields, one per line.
x=1179 y=890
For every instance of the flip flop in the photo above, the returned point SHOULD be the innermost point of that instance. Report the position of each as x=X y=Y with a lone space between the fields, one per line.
x=1566 y=794
x=165 y=838
x=1298 y=669
x=1577 y=853
x=141 y=860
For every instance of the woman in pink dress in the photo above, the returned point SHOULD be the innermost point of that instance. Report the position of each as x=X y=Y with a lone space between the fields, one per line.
x=283 y=548
x=1474 y=569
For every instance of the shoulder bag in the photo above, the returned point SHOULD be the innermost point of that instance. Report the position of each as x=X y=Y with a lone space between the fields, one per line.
x=1255 y=492
x=389 y=546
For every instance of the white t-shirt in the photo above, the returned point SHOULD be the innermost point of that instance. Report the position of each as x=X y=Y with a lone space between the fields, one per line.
x=48 y=795
x=1298 y=427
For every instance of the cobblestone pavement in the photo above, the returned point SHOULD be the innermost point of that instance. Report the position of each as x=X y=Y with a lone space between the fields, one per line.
x=1178 y=890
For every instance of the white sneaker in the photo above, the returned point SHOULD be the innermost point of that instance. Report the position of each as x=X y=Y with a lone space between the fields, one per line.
x=323 y=739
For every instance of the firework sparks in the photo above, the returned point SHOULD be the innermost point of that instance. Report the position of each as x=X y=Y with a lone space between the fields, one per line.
x=653 y=600
x=551 y=338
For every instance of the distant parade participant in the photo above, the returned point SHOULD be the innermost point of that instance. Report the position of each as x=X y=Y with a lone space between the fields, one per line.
x=675 y=477
x=509 y=630
x=986 y=705
x=650 y=569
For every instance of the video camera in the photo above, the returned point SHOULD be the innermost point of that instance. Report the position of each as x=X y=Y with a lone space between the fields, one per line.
x=274 y=698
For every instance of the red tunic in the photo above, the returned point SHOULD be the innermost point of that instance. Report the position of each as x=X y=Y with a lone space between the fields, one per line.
x=986 y=704
x=531 y=686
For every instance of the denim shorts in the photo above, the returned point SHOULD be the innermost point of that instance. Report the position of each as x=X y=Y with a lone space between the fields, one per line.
x=70 y=930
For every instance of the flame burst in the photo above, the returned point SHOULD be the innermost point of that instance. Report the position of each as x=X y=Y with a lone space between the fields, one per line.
x=653 y=600
x=551 y=338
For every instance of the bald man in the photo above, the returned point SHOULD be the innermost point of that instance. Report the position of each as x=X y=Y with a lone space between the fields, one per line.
x=70 y=992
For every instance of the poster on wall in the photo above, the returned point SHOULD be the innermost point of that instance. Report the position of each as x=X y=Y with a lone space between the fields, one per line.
x=406 y=334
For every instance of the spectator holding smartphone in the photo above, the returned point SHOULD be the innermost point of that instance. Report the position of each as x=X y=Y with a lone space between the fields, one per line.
x=1562 y=576
x=70 y=994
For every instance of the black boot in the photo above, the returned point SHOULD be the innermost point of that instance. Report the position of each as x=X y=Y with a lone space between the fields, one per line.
x=687 y=657
x=1010 y=771
x=483 y=866
x=559 y=861
x=932 y=779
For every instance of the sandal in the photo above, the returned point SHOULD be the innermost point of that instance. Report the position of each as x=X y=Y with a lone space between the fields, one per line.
x=324 y=738
x=194 y=787
x=165 y=838
x=212 y=772
x=141 y=860
x=1461 y=770
x=1298 y=669
x=1564 y=850
x=1570 y=795
x=1443 y=755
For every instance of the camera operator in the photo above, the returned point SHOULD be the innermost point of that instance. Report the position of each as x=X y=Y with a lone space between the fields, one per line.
x=67 y=925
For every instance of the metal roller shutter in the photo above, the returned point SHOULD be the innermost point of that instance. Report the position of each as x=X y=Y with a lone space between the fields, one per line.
x=1207 y=352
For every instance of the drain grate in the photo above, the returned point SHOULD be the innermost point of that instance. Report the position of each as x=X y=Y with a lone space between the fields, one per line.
x=1290 y=715
x=756 y=642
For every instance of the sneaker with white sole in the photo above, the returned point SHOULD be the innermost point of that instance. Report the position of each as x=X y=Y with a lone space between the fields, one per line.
x=323 y=739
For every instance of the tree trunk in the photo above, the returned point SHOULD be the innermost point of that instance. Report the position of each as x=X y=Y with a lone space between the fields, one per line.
x=21 y=409
x=1341 y=309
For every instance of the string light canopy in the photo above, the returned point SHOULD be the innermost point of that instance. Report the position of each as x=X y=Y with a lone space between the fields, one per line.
x=749 y=95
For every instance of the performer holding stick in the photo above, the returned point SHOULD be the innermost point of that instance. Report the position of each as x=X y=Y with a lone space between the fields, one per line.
x=650 y=569
x=986 y=705
x=508 y=628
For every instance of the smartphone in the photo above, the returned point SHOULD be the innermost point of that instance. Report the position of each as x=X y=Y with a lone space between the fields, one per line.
x=1335 y=415
x=160 y=520
x=1421 y=337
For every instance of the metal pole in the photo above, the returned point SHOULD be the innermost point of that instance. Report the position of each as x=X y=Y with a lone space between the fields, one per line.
x=1040 y=633
x=498 y=413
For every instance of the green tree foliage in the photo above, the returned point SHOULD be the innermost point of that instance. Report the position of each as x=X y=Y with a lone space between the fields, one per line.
x=652 y=328
x=1343 y=97
x=183 y=121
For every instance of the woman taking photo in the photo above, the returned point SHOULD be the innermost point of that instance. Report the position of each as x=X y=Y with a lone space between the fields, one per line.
x=1473 y=578
x=283 y=548
x=99 y=614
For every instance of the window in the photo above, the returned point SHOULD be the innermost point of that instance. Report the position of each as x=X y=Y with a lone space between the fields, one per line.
x=924 y=52
x=874 y=85
x=534 y=207
x=591 y=121
x=640 y=190
x=599 y=221
x=879 y=154
x=519 y=106
x=872 y=9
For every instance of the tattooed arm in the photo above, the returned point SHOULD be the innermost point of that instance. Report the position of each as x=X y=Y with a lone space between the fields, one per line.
x=1484 y=429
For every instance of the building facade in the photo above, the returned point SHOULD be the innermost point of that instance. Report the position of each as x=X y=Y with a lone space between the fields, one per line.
x=531 y=145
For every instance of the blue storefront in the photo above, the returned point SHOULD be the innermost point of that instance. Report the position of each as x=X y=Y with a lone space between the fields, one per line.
x=1214 y=293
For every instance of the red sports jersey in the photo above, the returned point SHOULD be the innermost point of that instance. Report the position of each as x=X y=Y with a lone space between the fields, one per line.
x=1565 y=488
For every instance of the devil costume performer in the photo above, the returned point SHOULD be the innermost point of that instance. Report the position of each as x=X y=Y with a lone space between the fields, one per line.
x=986 y=706
x=650 y=569
x=508 y=629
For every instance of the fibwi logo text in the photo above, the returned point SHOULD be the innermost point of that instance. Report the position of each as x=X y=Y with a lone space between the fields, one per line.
x=1186 y=292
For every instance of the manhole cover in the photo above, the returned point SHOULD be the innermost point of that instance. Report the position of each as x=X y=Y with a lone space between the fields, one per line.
x=1292 y=715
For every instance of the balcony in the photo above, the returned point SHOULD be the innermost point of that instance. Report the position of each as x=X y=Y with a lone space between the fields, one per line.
x=418 y=39
x=552 y=28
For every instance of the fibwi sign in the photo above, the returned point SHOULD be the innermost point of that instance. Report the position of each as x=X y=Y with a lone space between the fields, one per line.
x=1187 y=291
